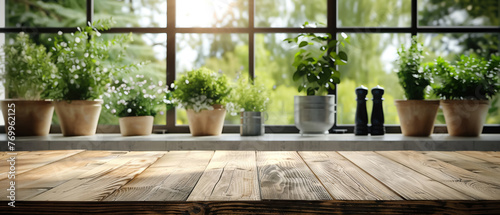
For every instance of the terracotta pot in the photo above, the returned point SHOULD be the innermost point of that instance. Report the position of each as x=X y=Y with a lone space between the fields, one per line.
x=136 y=125
x=78 y=117
x=465 y=117
x=32 y=118
x=417 y=116
x=206 y=122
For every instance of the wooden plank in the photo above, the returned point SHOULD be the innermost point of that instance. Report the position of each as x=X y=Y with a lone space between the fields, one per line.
x=474 y=185
x=171 y=178
x=474 y=165
x=407 y=183
x=230 y=175
x=344 y=180
x=35 y=159
x=493 y=157
x=49 y=176
x=255 y=207
x=99 y=182
x=285 y=176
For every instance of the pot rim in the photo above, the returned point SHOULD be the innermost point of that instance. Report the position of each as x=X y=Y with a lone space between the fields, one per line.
x=136 y=116
x=26 y=100
x=450 y=101
x=315 y=96
x=100 y=101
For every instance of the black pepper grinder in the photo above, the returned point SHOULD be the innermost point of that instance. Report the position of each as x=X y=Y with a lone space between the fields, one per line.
x=361 y=119
x=377 y=112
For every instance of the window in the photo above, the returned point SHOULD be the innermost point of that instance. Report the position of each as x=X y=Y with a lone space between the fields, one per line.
x=245 y=36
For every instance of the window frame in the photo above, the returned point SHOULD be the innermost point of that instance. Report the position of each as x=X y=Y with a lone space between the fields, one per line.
x=171 y=30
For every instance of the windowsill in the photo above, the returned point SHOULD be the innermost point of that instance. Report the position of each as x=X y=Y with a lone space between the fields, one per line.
x=285 y=142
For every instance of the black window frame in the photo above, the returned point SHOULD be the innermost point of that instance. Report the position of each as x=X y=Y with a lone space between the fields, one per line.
x=171 y=30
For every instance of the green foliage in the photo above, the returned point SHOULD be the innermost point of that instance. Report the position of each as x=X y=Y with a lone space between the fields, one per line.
x=412 y=78
x=28 y=68
x=316 y=61
x=84 y=71
x=471 y=78
x=200 y=89
x=248 y=96
x=139 y=97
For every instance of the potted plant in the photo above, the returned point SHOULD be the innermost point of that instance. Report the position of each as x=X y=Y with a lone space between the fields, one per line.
x=315 y=64
x=203 y=93
x=251 y=100
x=416 y=115
x=28 y=70
x=465 y=90
x=136 y=103
x=84 y=75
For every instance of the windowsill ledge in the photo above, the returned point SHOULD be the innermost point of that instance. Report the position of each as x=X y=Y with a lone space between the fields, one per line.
x=275 y=142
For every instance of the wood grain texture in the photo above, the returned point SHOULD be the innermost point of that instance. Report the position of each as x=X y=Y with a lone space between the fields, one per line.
x=230 y=175
x=477 y=186
x=344 y=180
x=285 y=176
x=256 y=207
x=51 y=175
x=99 y=182
x=171 y=178
x=474 y=165
x=493 y=157
x=407 y=183
x=32 y=160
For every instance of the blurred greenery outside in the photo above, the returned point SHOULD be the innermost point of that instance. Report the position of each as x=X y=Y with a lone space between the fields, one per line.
x=371 y=55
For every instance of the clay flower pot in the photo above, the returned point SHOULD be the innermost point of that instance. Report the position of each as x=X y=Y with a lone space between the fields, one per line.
x=32 y=117
x=136 y=125
x=417 y=116
x=78 y=117
x=206 y=122
x=465 y=117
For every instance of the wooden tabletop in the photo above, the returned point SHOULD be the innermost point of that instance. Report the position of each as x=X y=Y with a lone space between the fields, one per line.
x=253 y=181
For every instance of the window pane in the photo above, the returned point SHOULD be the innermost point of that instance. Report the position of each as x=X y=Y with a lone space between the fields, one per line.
x=273 y=67
x=371 y=63
x=150 y=48
x=212 y=13
x=458 y=12
x=225 y=53
x=289 y=13
x=35 y=13
x=451 y=46
x=144 y=13
x=374 y=13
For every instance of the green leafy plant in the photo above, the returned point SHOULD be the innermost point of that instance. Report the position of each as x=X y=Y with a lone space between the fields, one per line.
x=137 y=97
x=412 y=77
x=250 y=97
x=471 y=78
x=316 y=61
x=28 y=68
x=84 y=72
x=200 y=89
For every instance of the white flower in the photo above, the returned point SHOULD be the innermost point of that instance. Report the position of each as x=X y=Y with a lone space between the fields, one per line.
x=72 y=81
x=86 y=55
x=28 y=71
x=107 y=106
x=59 y=32
x=160 y=83
x=50 y=39
x=187 y=81
x=76 y=76
x=98 y=33
x=113 y=111
x=129 y=110
x=77 y=40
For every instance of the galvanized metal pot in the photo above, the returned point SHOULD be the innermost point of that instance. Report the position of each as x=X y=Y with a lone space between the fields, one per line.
x=314 y=114
x=252 y=124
